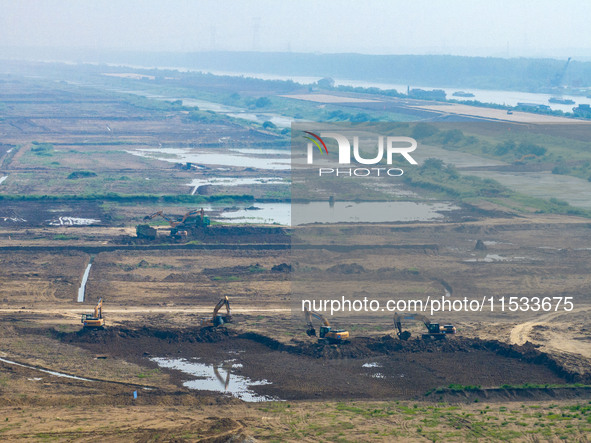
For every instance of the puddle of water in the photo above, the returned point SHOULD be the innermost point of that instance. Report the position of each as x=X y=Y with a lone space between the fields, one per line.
x=57 y=374
x=371 y=365
x=269 y=213
x=341 y=212
x=176 y=155
x=368 y=212
x=195 y=183
x=490 y=258
x=82 y=289
x=208 y=380
x=262 y=151
x=3 y=178
x=74 y=221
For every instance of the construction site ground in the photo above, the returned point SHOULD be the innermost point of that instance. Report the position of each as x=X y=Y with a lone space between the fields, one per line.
x=155 y=299
x=519 y=375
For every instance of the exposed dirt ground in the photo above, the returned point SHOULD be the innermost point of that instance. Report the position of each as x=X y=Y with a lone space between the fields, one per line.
x=503 y=376
x=155 y=299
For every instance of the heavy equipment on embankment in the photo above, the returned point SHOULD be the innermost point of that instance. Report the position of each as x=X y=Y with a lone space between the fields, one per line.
x=327 y=333
x=218 y=319
x=96 y=319
x=435 y=331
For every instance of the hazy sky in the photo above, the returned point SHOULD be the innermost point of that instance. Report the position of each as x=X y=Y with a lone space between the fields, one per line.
x=467 y=27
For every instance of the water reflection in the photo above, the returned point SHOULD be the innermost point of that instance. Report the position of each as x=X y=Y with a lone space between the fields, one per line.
x=209 y=378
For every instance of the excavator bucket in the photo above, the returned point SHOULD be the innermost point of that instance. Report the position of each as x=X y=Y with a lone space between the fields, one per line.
x=311 y=332
x=405 y=335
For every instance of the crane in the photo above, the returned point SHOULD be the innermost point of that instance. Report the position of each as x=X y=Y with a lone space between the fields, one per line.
x=559 y=77
x=434 y=330
x=326 y=331
x=216 y=319
x=96 y=320
x=557 y=83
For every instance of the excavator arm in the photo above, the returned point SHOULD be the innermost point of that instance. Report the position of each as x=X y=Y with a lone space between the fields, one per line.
x=402 y=335
x=217 y=320
x=151 y=216
x=311 y=331
x=98 y=309
x=96 y=320
x=189 y=214
x=317 y=316
x=434 y=330
x=223 y=302
x=161 y=214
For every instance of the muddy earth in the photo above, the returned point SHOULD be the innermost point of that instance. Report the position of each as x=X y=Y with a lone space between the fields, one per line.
x=364 y=368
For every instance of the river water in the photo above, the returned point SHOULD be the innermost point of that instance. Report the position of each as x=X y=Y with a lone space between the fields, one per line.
x=543 y=185
x=500 y=97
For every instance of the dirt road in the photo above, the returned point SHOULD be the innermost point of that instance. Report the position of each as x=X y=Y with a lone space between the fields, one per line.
x=554 y=340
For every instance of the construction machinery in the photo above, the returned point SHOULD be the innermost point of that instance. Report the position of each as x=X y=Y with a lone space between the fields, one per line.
x=435 y=331
x=218 y=319
x=161 y=214
x=522 y=160
x=557 y=84
x=557 y=81
x=178 y=228
x=95 y=320
x=326 y=332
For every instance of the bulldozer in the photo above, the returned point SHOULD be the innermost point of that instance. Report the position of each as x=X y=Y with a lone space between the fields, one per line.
x=217 y=319
x=435 y=331
x=95 y=320
x=326 y=332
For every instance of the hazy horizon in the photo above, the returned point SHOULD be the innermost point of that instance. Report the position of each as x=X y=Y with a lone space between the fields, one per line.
x=506 y=29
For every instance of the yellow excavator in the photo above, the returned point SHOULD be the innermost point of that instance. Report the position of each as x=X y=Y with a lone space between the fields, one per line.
x=218 y=319
x=434 y=330
x=200 y=213
x=95 y=320
x=176 y=226
x=326 y=332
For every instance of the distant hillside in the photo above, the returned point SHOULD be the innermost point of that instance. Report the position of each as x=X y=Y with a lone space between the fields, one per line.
x=433 y=70
x=524 y=74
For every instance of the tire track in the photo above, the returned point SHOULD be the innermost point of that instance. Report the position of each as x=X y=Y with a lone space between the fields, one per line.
x=559 y=342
